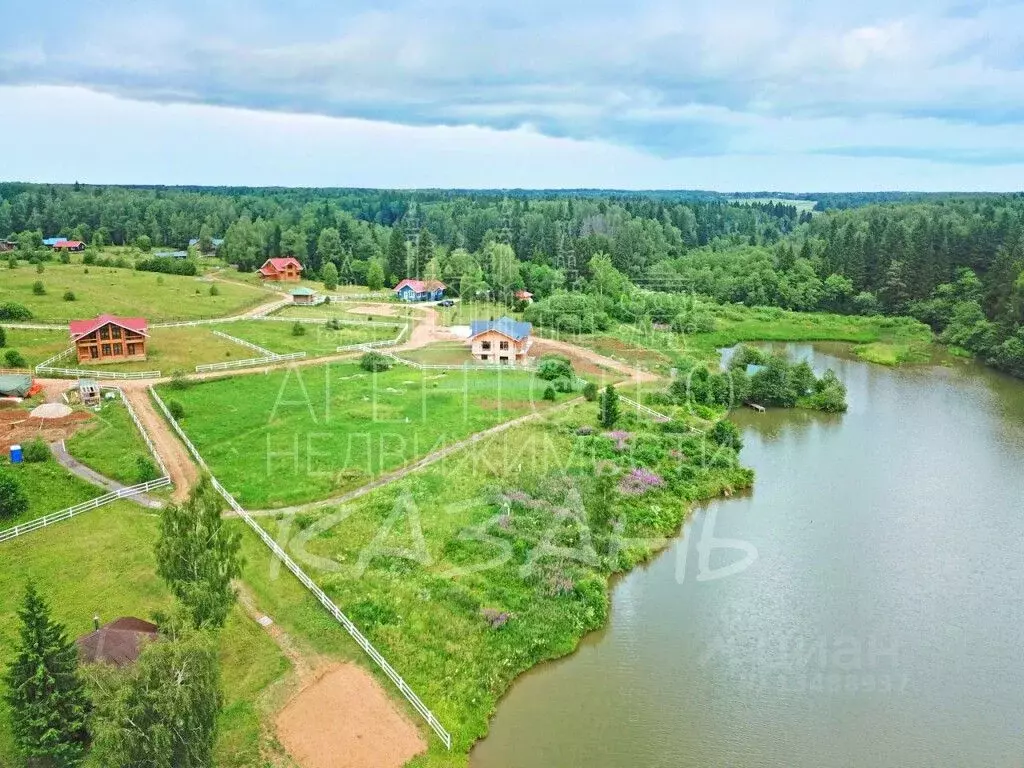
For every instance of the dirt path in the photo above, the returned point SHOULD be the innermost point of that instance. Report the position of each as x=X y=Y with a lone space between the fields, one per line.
x=180 y=466
x=635 y=375
x=64 y=458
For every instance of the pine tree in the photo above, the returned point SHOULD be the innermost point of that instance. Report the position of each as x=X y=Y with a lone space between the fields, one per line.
x=394 y=266
x=609 y=407
x=48 y=701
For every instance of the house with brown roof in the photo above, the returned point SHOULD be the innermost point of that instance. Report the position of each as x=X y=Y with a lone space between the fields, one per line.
x=282 y=269
x=119 y=643
x=110 y=339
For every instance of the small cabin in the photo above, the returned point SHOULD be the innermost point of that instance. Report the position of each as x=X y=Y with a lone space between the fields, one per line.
x=89 y=391
x=503 y=341
x=69 y=245
x=118 y=643
x=110 y=339
x=283 y=269
x=420 y=290
x=7 y=245
x=524 y=296
x=303 y=297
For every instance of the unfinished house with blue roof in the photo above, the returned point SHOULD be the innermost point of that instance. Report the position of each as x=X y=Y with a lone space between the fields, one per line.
x=503 y=341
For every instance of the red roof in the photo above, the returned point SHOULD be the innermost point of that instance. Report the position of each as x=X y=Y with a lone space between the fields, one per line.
x=524 y=295
x=80 y=328
x=68 y=244
x=270 y=266
x=420 y=286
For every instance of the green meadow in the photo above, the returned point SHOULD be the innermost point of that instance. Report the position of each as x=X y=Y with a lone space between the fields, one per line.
x=111 y=444
x=316 y=340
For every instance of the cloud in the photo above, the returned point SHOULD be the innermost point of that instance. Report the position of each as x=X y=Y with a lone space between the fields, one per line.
x=703 y=78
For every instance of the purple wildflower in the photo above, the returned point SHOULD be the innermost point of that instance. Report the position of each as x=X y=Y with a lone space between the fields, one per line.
x=620 y=437
x=638 y=481
x=494 y=617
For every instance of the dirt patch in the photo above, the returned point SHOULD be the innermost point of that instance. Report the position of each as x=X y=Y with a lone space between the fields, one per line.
x=382 y=310
x=346 y=720
x=17 y=426
x=587 y=361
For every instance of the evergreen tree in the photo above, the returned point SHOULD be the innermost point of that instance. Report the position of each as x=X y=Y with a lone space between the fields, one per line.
x=395 y=266
x=13 y=499
x=198 y=557
x=48 y=702
x=329 y=272
x=608 y=407
x=375 y=276
x=328 y=248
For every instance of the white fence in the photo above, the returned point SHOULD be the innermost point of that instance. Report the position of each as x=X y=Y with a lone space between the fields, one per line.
x=79 y=373
x=447 y=367
x=248 y=362
x=270 y=308
x=307 y=582
x=262 y=350
x=142 y=430
x=368 y=345
x=67 y=514
x=641 y=408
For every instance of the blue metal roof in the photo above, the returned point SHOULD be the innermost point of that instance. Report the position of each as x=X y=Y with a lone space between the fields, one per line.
x=50 y=241
x=506 y=325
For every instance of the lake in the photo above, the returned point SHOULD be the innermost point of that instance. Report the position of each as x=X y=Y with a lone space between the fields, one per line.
x=869 y=612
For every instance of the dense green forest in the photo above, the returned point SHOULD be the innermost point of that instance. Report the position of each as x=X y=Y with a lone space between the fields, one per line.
x=955 y=262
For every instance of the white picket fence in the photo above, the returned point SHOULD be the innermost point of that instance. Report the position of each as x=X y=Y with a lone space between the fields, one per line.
x=307 y=582
x=366 y=346
x=142 y=430
x=67 y=514
x=227 y=364
x=262 y=350
x=447 y=367
x=45 y=367
x=271 y=308
x=641 y=408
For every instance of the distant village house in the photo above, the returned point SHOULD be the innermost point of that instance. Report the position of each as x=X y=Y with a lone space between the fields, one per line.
x=282 y=269
x=524 y=296
x=69 y=245
x=110 y=339
x=118 y=643
x=215 y=243
x=303 y=296
x=504 y=341
x=420 y=290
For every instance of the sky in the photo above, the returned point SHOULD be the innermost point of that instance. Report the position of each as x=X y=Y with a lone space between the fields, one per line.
x=692 y=94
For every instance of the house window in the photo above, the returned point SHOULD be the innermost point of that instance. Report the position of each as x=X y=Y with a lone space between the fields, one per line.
x=131 y=349
x=484 y=357
x=105 y=332
x=485 y=345
x=117 y=349
x=94 y=353
x=106 y=350
x=503 y=345
x=115 y=333
x=504 y=359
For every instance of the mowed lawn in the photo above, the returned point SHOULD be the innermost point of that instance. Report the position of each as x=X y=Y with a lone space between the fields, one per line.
x=102 y=564
x=121 y=292
x=50 y=488
x=179 y=348
x=278 y=336
x=111 y=444
x=306 y=433
x=35 y=345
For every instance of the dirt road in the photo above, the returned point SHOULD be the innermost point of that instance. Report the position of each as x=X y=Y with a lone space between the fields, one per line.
x=180 y=466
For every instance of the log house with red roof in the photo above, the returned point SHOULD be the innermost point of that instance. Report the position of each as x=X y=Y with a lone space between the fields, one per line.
x=283 y=269
x=110 y=339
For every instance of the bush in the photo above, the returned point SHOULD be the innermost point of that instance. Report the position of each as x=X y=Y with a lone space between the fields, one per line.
x=549 y=393
x=176 y=408
x=298 y=329
x=36 y=450
x=39 y=269
x=551 y=367
x=375 y=362
x=569 y=313
x=179 y=380
x=563 y=384
x=13 y=311
x=12 y=262
x=3 y=338
x=38 y=288
x=65 y=257
x=89 y=258
x=214 y=290
x=145 y=469
x=590 y=391
x=168 y=266
x=14 y=359
x=143 y=242
x=334 y=324
x=69 y=295
x=13 y=499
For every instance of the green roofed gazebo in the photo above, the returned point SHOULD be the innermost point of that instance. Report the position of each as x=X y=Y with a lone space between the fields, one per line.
x=303 y=295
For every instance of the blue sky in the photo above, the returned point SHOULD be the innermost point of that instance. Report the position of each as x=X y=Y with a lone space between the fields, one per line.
x=701 y=94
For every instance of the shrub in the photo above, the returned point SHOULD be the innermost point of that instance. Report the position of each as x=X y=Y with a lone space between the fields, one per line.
x=214 y=290
x=563 y=384
x=38 y=288
x=143 y=243
x=89 y=258
x=168 y=266
x=13 y=311
x=12 y=262
x=298 y=329
x=145 y=469
x=13 y=499
x=176 y=408
x=334 y=324
x=374 y=362
x=65 y=257
x=728 y=434
x=549 y=393
x=551 y=367
x=590 y=391
x=14 y=359
x=69 y=295
x=609 y=407
x=39 y=269
x=179 y=380
x=3 y=338
x=36 y=450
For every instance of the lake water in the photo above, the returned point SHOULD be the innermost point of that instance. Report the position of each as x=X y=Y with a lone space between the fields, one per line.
x=881 y=622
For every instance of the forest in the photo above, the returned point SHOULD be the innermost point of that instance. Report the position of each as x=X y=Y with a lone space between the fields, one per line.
x=955 y=262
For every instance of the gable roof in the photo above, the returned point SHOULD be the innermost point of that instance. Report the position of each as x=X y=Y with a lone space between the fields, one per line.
x=53 y=240
x=68 y=244
x=119 y=643
x=504 y=325
x=303 y=291
x=420 y=286
x=523 y=295
x=80 y=328
x=279 y=264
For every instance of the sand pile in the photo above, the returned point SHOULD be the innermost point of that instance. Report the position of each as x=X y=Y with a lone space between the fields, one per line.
x=51 y=411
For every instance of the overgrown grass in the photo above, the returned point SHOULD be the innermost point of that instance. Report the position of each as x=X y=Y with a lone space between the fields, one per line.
x=50 y=488
x=465 y=311
x=174 y=349
x=317 y=341
x=302 y=434
x=33 y=344
x=460 y=586
x=442 y=353
x=102 y=564
x=111 y=444
x=344 y=311
x=120 y=291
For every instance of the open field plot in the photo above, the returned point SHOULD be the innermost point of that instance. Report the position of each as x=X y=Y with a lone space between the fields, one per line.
x=471 y=571
x=316 y=340
x=442 y=353
x=353 y=310
x=35 y=345
x=121 y=292
x=50 y=488
x=102 y=563
x=305 y=433
x=465 y=311
x=172 y=349
x=110 y=443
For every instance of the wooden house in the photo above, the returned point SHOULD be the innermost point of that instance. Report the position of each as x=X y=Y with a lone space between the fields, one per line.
x=7 y=245
x=69 y=245
x=283 y=269
x=304 y=297
x=118 y=643
x=503 y=341
x=110 y=339
x=524 y=296
x=420 y=290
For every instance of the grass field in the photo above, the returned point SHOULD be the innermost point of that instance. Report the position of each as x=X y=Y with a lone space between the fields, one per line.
x=302 y=434
x=465 y=311
x=121 y=292
x=278 y=336
x=35 y=345
x=343 y=311
x=475 y=569
x=102 y=564
x=442 y=353
x=50 y=488
x=177 y=348
x=111 y=444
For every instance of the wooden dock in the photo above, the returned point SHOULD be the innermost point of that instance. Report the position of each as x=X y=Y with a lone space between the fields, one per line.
x=756 y=407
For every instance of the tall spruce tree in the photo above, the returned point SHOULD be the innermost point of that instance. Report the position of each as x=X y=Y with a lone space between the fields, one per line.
x=609 y=407
x=49 y=705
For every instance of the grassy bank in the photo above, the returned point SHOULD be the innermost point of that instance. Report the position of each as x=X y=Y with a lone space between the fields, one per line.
x=111 y=444
x=50 y=488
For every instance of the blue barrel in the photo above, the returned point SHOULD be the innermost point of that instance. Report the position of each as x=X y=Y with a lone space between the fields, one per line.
x=15 y=454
